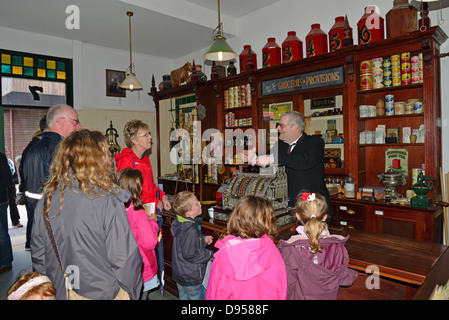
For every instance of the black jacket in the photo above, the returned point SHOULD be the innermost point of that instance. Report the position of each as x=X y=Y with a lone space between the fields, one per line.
x=5 y=178
x=189 y=255
x=36 y=158
x=304 y=167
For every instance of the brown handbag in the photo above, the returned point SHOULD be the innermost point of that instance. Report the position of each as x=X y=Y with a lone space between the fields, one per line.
x=70 y=293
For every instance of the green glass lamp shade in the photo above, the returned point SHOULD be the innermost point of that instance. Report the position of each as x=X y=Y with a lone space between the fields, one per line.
x=131 y=83
x=219 y=50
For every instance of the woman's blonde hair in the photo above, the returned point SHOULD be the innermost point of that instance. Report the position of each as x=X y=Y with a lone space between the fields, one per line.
x=131 y=129
x=131 y=180
x=84 y=157
x=45 y=289
x=311 y=209
x=252 y=217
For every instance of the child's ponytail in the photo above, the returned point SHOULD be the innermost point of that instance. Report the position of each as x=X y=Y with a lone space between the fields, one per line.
x=311 y=209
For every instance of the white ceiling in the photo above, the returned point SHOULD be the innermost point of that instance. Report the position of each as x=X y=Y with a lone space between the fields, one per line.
x=162 y=28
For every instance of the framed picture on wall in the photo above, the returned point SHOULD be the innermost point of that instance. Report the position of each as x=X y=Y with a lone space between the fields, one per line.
x=113 y=80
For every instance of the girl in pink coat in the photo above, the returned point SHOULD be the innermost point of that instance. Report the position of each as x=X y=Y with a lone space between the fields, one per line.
x=143 y=225
x=248 y=266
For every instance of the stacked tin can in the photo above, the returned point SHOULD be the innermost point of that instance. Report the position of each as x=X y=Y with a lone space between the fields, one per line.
x=238 y=96
x=388 y=73
x=230 y=119
x=417 y=69
x=406 y=68
x=389 y=105
x=378 y=75
x=366 y=75
x=396 y=69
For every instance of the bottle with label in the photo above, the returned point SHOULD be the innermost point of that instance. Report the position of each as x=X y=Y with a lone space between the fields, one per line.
x=349 y=187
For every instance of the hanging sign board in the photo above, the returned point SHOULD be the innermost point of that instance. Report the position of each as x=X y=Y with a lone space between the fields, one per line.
x=305 y=81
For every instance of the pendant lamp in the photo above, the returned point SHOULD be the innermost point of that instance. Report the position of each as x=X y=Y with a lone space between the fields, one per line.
x=219 y=50
x=130 y=83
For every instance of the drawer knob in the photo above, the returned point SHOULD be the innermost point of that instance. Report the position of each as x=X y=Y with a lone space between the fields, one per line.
x=350 y=211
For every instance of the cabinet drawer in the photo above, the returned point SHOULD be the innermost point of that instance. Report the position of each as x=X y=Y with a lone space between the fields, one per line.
x=348 y=223
x=352 y=212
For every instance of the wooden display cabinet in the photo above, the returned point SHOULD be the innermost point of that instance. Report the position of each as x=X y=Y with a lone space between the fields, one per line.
x=371 y=156
x=364 y=161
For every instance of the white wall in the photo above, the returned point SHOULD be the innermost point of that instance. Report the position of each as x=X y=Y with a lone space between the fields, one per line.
x=89 y=68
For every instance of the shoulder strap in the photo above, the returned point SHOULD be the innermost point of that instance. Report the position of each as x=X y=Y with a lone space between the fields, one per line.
x=52 y=237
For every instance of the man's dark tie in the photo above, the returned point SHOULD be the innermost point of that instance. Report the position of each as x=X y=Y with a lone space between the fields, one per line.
x=290 y=147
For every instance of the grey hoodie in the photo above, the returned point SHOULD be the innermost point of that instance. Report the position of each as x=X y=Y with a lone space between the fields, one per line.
x=94 y=239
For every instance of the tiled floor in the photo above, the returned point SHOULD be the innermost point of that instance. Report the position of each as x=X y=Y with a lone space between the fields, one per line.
x=22 y=260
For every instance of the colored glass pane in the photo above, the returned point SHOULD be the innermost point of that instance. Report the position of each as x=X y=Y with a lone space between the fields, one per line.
x=60 y=74
x=60 y=66
x=28 y=62
x=41 y=64
x=6 y=58
x=17 y=70
x=41 y=73
x=51 y=74
x=17 y=61
x=27 y=71
x=6 y=68
x=51 y=64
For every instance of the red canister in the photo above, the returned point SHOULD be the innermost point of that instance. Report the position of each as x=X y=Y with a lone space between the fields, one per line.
x=243 y=58
x=337 y=34
x=271 y=53
x=316 y=41
x=370 y=26
x=291 y=48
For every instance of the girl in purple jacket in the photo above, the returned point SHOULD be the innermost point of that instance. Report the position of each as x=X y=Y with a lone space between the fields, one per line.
x=316 y=261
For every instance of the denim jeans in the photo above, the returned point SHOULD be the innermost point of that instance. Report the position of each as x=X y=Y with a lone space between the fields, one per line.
x=6 y=256
x=197 y=292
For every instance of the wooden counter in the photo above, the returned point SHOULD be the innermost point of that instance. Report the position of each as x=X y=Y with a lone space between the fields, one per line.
x=408 y=268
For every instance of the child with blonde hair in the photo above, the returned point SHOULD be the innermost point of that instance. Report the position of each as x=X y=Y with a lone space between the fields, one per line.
x=143 y=226
x=189 y=253
x=32 y=286
x=316 y=261
x=248 y=266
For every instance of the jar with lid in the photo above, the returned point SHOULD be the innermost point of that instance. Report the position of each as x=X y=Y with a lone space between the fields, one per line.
x=271 y=53
x=291 y=48
x=316 y=41
x=349 y=187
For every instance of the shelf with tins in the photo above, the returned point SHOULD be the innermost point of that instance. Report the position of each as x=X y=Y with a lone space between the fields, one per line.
x=422 y=93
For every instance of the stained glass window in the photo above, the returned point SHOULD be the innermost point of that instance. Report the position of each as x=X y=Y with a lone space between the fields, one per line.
x=34 y=80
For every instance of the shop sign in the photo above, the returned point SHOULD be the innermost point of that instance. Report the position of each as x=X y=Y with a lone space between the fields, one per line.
x=305 y=81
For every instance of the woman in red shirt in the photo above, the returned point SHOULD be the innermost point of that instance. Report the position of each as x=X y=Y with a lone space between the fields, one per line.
x=138 y=140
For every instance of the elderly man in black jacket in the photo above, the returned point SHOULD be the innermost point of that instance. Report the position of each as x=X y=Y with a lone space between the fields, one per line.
x=6 y=256
x=36 y=158
x=303 y=158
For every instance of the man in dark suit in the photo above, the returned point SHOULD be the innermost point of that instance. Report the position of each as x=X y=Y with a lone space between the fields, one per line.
x=302 y=155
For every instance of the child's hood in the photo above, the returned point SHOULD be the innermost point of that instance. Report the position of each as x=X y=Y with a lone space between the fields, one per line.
x=181 y=224
x=243 y=259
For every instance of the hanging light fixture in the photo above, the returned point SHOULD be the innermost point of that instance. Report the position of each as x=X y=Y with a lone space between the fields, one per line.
x=220 y=49
x=130 y=83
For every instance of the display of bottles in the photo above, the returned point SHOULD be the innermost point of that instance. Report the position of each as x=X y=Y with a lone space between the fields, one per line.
x=370 y=26
x=316 y=41
x=271 y=53
x=243 y=58
x=337 y=34
x=291 y=48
